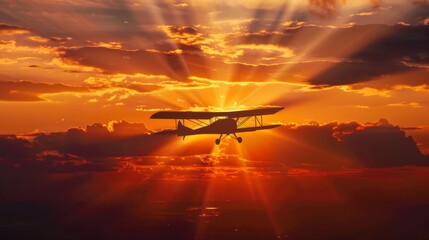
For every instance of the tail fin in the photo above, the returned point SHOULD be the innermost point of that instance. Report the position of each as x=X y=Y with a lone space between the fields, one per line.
x=182 y=130
x=179 y=126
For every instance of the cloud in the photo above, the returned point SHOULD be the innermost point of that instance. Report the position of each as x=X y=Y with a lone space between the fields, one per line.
x=323 y=8
x=345 y=55
x=15 y=149
x=347 y=73
x=403 y=43
x=173 y=65
x=135 y=82
x=350 y=54
x=361 y=42
x=411 y=128
x=362 y=14
x=96 y=141
x=7 y=61
x=60 y=39
x=405 y=104
x=329 y=146
x=327 y=9
x=336 y=145
x=24 y=91
x=6 y=29
x=184 y=34
x=118 y=87
x=92 y=149
x=181 y=5
x=382 y=145
x=124 y=128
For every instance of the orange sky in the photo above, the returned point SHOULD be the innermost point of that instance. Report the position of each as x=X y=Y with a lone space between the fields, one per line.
x=71 y=64
x=81 y=157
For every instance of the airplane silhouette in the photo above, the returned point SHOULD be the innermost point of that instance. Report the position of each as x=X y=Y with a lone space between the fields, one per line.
x=223 y=123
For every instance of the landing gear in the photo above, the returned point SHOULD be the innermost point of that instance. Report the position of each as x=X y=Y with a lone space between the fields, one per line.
x=217 y=141
x=239 y=139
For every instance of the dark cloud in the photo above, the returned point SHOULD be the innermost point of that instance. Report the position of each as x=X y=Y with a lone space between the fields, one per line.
x=76 y=150
x=360 y=53
x=358 y=69
x=16 y=149
x=30 y=91
x=183 y=30
x=334 y=145
x=27 y=91
x=365 y=52
x=383 y=145
x=361 y=42
x=6 y=29
x=330 y=146
x=346 y=73
x=400 y=43
x=420 y=12
x=96 y=141
x=176 y=66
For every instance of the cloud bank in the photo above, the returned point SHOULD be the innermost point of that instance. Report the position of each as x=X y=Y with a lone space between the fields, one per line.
x=98 y=148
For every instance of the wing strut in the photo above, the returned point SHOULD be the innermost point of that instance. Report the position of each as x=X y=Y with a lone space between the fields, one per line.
x=222 y=137
x=258 y=121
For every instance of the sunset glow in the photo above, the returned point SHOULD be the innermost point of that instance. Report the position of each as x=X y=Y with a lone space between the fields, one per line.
x=81 y=158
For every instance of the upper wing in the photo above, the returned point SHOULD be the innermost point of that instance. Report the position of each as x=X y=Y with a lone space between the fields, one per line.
x=183 y=115
x=208 y=115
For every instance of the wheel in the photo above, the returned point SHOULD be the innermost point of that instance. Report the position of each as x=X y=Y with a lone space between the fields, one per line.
x=217 y=141
x=239 y=139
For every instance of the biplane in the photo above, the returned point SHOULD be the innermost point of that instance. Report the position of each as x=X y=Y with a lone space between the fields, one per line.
x=222 y=123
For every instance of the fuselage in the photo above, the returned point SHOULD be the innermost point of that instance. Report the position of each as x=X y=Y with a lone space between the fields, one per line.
x=226 y=126
x=221 y=126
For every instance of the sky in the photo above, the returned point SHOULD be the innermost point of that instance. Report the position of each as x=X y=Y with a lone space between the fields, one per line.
x=80 y=79
x=74 y=63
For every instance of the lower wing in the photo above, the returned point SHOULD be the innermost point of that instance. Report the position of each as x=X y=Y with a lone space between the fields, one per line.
x=252 y=129
x=189 y=132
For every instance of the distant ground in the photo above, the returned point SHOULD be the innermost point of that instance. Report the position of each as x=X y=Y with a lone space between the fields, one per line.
x=220 y=204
